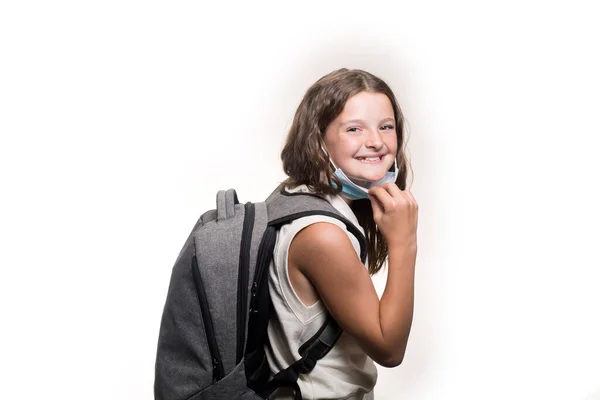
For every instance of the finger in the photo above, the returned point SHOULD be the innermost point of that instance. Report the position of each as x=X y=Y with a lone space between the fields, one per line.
x=393 y=189
x=398 y=196
x=385 y=199
x=410 y=197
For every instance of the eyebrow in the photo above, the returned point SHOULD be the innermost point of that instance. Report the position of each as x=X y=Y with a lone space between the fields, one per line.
x=353 y=121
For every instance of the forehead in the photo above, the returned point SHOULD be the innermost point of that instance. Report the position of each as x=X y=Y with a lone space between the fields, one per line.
x=368 y=106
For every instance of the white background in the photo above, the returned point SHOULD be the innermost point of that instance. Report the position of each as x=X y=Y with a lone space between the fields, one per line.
x=121 y=119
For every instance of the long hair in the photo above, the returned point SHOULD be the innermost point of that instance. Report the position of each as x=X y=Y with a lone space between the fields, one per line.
x=305 y=162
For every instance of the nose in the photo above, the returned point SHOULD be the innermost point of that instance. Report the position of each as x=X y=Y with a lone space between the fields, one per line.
x=374 y=139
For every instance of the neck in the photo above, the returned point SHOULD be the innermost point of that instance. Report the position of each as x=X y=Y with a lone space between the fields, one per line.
x=346 y=200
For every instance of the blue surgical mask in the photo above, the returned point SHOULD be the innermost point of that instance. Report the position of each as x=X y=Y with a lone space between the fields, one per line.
x=353 y=191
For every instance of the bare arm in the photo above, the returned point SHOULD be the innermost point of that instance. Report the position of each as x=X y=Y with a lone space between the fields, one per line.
x=324 y=254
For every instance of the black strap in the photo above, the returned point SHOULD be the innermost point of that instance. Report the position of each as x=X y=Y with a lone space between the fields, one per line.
x=284 y=207
x=316 y=347
x=313 y=350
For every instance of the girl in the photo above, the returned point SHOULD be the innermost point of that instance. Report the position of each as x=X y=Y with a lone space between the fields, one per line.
x=346 y=145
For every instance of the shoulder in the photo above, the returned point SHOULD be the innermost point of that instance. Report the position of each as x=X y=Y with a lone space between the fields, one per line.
x=323 y=234
x=324 y=243
x=320 y=225
x=321 y=231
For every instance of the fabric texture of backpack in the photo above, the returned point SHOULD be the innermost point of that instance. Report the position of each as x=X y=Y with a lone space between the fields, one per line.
x=214 y=322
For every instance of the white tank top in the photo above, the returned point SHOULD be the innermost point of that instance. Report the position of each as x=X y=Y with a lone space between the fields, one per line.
x=346 y=372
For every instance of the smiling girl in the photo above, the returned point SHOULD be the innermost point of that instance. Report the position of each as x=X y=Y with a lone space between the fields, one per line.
x=345 y=145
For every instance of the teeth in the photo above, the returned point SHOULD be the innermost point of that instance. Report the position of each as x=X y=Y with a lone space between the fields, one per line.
x=371 y=158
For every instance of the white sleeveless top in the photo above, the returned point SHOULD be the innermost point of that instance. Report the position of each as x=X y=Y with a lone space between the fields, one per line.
x=346 y=372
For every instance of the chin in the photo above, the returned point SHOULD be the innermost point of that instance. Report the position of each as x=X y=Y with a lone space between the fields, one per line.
x=375 y=178
x=367 y=180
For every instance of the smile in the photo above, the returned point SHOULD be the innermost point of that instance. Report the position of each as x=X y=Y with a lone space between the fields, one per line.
x=370 y=160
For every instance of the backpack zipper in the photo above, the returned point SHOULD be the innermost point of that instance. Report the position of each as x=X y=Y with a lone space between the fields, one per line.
x=265 y=253
x=257 y=370
x=244 y=267
x=217 y=364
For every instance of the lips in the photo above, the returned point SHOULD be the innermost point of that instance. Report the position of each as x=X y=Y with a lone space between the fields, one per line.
x=371 y=159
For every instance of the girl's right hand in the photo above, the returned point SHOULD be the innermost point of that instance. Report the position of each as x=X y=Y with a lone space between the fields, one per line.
x=395 y=212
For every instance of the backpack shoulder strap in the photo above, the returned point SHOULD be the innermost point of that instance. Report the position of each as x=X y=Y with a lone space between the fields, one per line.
x=312 y=351
x=284 y=207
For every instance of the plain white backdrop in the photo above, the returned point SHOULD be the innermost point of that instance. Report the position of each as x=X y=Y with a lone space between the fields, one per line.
x=120 y=120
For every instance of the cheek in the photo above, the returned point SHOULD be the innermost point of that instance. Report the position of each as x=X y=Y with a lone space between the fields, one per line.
x=344 y=147
x=351 y=144
x=392 y=143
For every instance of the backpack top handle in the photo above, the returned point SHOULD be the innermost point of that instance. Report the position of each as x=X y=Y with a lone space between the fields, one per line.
x=226 y=201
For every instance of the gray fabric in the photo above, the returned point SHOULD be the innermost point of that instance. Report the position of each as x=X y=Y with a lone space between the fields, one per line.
x=218 y=253
x=280 y=205
x=225 y=204
x=207 y=217
x=184 y=367
x=233 y=386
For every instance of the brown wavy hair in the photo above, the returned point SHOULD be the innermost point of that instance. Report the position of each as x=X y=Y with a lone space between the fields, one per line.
x=305 y=162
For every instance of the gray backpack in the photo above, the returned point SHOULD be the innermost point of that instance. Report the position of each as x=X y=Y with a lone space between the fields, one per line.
x=214 y=323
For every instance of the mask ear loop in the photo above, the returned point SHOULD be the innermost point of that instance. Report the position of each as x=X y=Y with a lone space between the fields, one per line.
x=394 y=166
x=330 y=160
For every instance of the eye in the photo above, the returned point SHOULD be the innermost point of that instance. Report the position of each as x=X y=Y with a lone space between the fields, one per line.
x=387 y=127
x=353 y=129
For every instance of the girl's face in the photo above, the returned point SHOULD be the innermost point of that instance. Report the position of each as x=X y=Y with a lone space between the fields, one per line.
x=362 y=139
